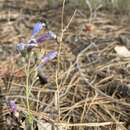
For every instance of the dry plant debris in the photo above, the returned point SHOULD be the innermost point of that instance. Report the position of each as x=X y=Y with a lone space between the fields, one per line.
x=92 y=87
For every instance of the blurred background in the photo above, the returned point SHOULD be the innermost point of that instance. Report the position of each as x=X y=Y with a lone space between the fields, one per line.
x=121 y=5
x=103 y=24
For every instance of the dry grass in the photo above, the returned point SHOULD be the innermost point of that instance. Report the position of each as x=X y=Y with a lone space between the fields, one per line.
x=88 y=86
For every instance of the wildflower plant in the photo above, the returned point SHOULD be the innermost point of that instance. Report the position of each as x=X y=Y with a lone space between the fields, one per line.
x=26 y=49
x=13 y=106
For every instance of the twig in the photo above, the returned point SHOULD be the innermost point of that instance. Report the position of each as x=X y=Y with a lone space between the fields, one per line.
x=90 y=124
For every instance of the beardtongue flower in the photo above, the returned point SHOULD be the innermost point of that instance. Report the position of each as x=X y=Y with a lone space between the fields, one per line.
x=37 y=27
x=42 y=38
x=13 y=106
x=48 y=36
x=22 y=46
x=50 y=56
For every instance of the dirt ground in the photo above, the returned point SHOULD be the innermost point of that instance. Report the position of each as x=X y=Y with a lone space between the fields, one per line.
x=88 y=84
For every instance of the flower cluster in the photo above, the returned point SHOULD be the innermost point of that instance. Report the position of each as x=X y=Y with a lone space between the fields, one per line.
x=34 y=42
x=31 y=58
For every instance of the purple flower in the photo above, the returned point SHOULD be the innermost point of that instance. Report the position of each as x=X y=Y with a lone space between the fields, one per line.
x=13 y=106
x=37 y=27
x=43 y=38
x=47 y=36
x=22 y=46
x=50 y=56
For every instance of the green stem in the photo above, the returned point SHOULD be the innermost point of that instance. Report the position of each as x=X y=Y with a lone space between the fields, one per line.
x=27 y=96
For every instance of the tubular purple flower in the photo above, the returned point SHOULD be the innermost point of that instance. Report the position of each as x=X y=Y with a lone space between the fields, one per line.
x=22 y=46
x=43 y=38
x=13 y=106
x=37 y=28
x=48 y=36
x=50 y=56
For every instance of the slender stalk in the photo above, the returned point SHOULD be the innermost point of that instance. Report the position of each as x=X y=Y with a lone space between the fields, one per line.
x=63 y=29
x=27 y=91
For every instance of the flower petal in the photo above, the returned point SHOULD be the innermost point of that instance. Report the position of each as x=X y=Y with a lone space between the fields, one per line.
x=37 y=27
x=47 y=36
x=50 y=56
x=13 y=106
x=42 y=38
